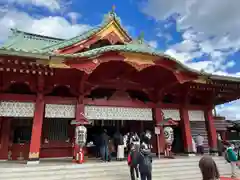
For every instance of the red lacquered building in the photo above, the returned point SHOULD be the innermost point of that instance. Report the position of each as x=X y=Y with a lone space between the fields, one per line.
x=105 y=77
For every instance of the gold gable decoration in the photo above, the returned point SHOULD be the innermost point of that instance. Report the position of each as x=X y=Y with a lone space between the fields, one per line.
x=55 y=62
x=113 y=24
x=202 y=79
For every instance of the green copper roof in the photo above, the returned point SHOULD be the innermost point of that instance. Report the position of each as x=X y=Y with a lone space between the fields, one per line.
x=73 y=40
x=28 y=42
x=137 y=48
x=32 y=42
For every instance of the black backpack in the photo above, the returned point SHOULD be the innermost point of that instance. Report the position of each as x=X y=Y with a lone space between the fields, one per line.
x=238 y=154
x=134 y=158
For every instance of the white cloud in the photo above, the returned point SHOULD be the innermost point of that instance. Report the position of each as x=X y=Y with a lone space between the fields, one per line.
x=153 y=44
x=52 y=5
x=55 y=26
x=229 y=110
x=222 y=16
x=210 y=29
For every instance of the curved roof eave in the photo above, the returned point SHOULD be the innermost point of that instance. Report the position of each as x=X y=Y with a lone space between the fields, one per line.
x=133 y=49
x=119 y=48
x=143 y=50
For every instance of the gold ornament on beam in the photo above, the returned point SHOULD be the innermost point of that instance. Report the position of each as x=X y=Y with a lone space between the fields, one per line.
x=202 y=80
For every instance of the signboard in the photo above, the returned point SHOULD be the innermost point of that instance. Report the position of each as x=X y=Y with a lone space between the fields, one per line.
x=157 y=130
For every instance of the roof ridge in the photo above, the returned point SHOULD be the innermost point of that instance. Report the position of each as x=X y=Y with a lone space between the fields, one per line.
x=17 y=31
x=108 y=18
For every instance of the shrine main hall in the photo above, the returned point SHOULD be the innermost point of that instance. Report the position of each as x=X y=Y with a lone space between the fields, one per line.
x=102 y=77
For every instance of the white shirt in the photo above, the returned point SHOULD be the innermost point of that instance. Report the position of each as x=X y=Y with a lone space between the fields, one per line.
x=199 y=140
x=125 y=138
x=194 y=146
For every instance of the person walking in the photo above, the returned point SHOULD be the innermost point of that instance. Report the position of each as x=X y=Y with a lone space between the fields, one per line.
x=208 y=168
x=219 y=145
x=119 y=145
x=232 y=158
x=135 y=140
x=194 y=146
x=199 y=143
x=120 y=148
x=104 y=141
x=133 y=162
x=145 y=163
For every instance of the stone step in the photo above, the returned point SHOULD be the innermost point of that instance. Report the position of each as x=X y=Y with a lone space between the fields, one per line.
x=51 y=166
x=163 y=168
x=179 y=169
x=115 y=176
x=158 y=163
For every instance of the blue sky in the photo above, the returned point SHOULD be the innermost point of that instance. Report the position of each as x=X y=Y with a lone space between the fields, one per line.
x=202 y=34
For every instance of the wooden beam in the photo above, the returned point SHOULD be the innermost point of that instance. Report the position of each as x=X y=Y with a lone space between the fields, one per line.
x=17 y=97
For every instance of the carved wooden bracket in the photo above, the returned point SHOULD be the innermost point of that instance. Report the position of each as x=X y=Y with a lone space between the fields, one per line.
x=82 y=82
x=40 y=83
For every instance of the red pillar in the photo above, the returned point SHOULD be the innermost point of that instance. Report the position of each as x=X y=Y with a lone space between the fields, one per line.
x=186 y=130
x=158 y=118
x=5 y=131
x=35 y=143
x=212 y=133
x=79 y=118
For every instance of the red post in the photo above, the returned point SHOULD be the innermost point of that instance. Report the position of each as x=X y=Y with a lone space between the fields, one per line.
x=212 y=133
x=158 y=118
x=5 y=132
x=186 y=131
x=80 y=156
x=35 y=143
x=79 y=112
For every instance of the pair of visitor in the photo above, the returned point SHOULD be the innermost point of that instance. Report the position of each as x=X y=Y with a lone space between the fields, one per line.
x=132 y=138
x=140 y=161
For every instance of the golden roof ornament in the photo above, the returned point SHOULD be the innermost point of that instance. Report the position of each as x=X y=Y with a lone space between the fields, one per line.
x=112 y=13
x=111 y=16
x=113 y=9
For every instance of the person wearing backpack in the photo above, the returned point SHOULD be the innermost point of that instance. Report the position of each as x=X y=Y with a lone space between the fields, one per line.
x=232 y=158
x=145 y=163
x=132 y=162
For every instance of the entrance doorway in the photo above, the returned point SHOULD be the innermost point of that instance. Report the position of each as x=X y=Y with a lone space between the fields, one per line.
x=177 y=146
x=112 y=126
x=20 y=137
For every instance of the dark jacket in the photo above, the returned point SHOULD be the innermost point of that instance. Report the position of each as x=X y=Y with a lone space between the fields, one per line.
x=118 y=139
x=104 y=139
x=220 y=145
x=145 y=161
